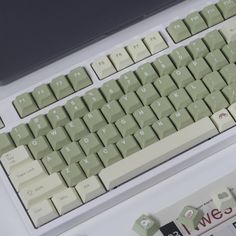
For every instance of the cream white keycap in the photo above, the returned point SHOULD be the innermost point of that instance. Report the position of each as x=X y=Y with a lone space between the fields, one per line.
x=42 y=213
x=103 y=67
x=223 y=199
x=90 y=188
x=154 y=42
x=120 y=58
x=15 y=158
x=42 y=189
x=229 y=30
x=27 y=174
x=223 y=120
x=66 y=200
x=138 y=50
x=157 y=153
x=232 y=110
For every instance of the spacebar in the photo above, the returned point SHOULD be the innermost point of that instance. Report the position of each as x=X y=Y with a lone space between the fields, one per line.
x=157 y=153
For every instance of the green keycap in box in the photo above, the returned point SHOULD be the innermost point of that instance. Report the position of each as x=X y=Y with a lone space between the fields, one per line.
x=195 y=23
x=58 y=117
x=147 y=94
x=146 y=73
x=180 y=99
x=76 y=108
x=214 y=40
x=111 y=90
x=39 y=147
x=25 y=105
x=165 y=85
x=229 y=51
x=198 y=48
x=112 y=111
x=199 y=68
x=72 y=153
x=229 y=73
x=130 y=102
x=79 y=78
x=214 y=81
x=58 y=138
x=178 y=31
x=61 y=87
x=73 y=174
x=216 y=60
x=145 y=137
x=212 y=15
x=163 y=128
x=181 y=119
x=6 y=143
x=162 y=107
x=182 y=77
x=91 y=165
x=109 y=155
x=128 y=146
x=181 y=57
x=54 y=162
x=39 y=126
x=21 y=135
x=164 y=65
x=127 y=125
x=227 y=8
x=230 y=93
x=43 y=96
x=199 y=110
x=129 y=82
x=197 y=90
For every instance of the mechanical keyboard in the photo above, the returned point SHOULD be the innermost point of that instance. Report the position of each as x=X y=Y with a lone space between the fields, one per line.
x=121 y=121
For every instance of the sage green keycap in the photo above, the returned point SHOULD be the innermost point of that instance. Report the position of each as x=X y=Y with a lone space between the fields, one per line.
x=128 y=146
x=145 y=137
x=163 y=127
x=129 y=82
x=76 y=108
x=6 y=143
x=212 y=15
x=58 y=117
x=61 y=87
x=180 y=99
x=72 y=153
x=58 y=138
x=127 y=125
x=146 y=73
x=181 y=119
x=198 y=48
x=54 y=162
x=216 y=101
x=197 y=90
x=94 y=120
x=230 y=93
x=214 y=40
x=79 y=78
x=199 y=110
x=144 y=116
x=180 y=57
x=214 y=81
x=94 y=99
x=90 y=144
x=195 y=23
x=109 y=134
x=112 y=111
x=73 y=174
x=164 y=65
x=76 y=129
x=43 y=96
x=229 y=73
x=111 y=90
x=91 y=165
x=199 y=68
x=147 y=94
x=25 y=105
x=227 y=8
x=39 y=126
x=178 y=31
x=182 y=77
x=229 y=51
x=130 y=102
x=162 y=107
x=39 y=147
x=216 y=60
x=165 y=85
x=109 y=155
x=21 y=135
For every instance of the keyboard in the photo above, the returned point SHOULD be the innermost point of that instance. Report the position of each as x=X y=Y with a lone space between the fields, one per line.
x=127 y=118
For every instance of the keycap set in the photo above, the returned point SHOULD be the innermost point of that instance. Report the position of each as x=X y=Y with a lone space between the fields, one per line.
x=76 y=152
